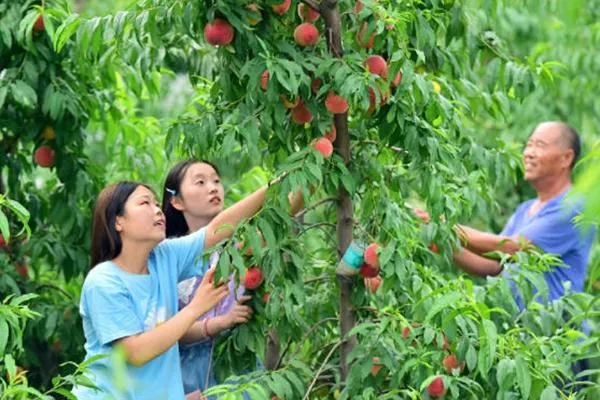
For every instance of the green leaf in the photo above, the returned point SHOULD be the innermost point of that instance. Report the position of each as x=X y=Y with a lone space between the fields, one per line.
x=9 y=364
x=471 y=358
x=505 y=373
x=4 y=228
x=442 y=303
x=523 y=376
x=488 y=338
x=24 y=94
x=3 y=93
x=549 y=393
x=3 y=335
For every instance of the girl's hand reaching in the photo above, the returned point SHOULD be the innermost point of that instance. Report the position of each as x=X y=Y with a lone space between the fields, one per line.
x=207 y=294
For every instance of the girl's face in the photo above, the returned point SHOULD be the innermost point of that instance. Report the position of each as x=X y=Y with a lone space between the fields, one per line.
x=142 y=219
x=201 y=192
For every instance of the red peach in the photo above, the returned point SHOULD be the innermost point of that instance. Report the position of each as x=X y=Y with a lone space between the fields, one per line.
x=377 y=65
x=336 y=104
x=324 y=147
x=44 y=156
x=307 y=13
x=282 y=8
x=331 y=134
x=253 y=278
x=436 y=387
x=360 y=37
x=371 y=256
x=301 y=114
x=218 y=32
x=264 y=80
x=306 y=34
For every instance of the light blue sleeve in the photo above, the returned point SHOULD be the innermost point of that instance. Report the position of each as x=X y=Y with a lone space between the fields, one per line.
x=107 y=303
x=185 y=253
x=555 y=233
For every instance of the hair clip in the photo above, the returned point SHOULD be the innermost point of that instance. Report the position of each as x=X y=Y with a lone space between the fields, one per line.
x=171 y=191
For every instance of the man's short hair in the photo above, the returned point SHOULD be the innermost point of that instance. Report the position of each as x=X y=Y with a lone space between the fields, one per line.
x=571 y=137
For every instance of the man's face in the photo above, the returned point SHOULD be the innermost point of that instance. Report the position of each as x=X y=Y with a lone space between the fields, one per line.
x=546 y=154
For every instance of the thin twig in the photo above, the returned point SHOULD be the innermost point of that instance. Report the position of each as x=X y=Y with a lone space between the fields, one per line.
x=334 y=348
x=313 y=4
x=315 y=205
x=316 y=225
x=51 y=286
x=311 y=330
x=316 y=279
x=394 y=148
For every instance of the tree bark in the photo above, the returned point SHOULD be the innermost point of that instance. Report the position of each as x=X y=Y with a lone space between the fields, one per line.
x=273 y=349
x=333 y=34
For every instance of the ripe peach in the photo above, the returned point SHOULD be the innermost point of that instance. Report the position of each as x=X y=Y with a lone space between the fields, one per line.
x=436 y=387
x=324 y=146
x=376 y=366
x=218 y=32
x=336 y=104
x=301 y=114
x=306 y=34
x=397 y=79
x=307 y=13
x=331 y=134
x=451 y=363
x=44 y=156
x=373 y=283
x=362 y=40
x=253 y=278
x=282 y=8
x=377 y=65
x=371 y=256
x=39 y=25
x=264 y=79
x=383 y=97
x=315 y=85
x=368 y=271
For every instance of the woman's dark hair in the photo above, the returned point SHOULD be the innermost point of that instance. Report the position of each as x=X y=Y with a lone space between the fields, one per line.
x=176 y=223
x=106 y=241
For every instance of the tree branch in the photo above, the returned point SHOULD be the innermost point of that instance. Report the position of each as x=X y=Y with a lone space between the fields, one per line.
x=394 y=148
x=315 y=205
x=316 y=279
x=311 y=330
x=333 y=349
x=316 y=225
x=313 y=4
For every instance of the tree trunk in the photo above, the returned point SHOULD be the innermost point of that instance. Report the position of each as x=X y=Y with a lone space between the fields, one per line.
x=345 y=221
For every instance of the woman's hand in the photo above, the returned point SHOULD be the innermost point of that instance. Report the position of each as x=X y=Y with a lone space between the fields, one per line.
x=207 y=295
x=239 y=314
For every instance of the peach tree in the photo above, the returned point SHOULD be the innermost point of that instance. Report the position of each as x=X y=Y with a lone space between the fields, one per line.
x=400 y=90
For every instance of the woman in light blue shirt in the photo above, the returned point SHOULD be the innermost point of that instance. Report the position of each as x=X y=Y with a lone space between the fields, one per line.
x=129 y=297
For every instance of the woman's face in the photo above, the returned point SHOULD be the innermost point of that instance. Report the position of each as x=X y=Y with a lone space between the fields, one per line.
x=142 y=219
x=201 y=192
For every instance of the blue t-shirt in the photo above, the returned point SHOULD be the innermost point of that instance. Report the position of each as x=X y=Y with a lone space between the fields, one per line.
x=553 y=229
x=116 y=304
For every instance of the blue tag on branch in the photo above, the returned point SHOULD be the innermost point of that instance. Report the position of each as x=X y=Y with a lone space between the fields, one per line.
x=353 y=256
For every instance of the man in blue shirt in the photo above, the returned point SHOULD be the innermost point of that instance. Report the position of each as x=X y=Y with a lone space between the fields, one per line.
x=547 y=222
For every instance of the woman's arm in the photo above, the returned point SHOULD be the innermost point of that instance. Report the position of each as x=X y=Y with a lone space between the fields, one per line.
x=210 y=327
x=223 y=225
x=143 y=347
